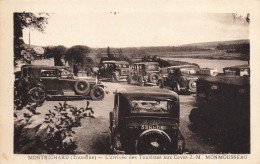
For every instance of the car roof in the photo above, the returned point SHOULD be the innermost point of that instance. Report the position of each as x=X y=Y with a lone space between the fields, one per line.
x=232 y=80
x=147 y=63
x=238 y=66
x=145 y=91
x=183 y=66
x=116 y=62
x=44 y=67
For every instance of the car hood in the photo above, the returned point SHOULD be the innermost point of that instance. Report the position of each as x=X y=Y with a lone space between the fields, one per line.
x=189 y=77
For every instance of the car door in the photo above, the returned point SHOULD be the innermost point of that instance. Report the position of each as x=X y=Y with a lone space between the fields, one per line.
x=49 y=78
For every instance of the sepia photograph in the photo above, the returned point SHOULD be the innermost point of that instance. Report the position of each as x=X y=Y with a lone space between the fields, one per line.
x=110 y=81
x=146 y=87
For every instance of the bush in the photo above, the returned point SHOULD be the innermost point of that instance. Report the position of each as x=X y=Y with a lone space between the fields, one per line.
x=52 y=134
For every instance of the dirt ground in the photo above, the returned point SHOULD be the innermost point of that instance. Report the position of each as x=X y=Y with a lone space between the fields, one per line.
x=93 y=135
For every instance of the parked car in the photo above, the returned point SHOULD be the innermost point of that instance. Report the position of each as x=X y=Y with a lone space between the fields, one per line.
x=146 y=121
x=239 y=70
x=39 y=80
x=145 y=72
x=223 y=111
x=114 y=70
x=180 y=78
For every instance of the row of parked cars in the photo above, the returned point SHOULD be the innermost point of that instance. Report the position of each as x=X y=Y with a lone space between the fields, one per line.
x=145 y=120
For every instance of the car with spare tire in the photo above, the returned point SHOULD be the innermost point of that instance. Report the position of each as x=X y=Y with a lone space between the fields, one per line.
x=143 y=73
x=145 y=120
x=40 y=81
x=179 y=78
x=113 y=70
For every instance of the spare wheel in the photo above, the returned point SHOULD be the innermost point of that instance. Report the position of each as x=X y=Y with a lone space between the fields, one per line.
x=192 y=85
x=154 y=78
x=153 y=141
x=82 y=87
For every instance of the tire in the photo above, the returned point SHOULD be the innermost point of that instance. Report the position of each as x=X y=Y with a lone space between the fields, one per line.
x=161 y=143
x=97 y=93
x=153 y=78
x=176 y=88
x=114 y=78
x=192 y=85
x=160 y=83
x=36 y=95
x=82 y=87
x=140 y=81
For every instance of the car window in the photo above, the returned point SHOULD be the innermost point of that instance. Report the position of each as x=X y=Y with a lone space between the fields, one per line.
x=152 y=67
x=48 y=73
x=188 y=71
x=147 y=106
x=122 y=66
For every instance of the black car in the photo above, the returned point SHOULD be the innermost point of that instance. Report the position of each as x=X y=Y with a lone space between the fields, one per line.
x=180 y=78
x=223 y=111
x=144 y=72
x=38 y=81
x=146 y=121
x=114 y=70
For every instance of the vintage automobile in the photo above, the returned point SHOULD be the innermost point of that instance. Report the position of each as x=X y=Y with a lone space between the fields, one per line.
x=223 y=111
x=239 y=70
x=145 y=72
x=38 y=81
x=180 y=78
x=145 y=121
x=114 y=70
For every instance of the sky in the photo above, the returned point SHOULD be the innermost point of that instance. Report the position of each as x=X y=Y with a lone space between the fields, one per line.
x=137 y=29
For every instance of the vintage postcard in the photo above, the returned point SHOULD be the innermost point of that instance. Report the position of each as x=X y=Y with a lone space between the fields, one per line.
x=129 y=81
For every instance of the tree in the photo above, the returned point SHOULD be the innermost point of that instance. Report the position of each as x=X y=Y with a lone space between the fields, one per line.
x=77 y=54
x=57 y=52
x=26 y=20
x=109 y=54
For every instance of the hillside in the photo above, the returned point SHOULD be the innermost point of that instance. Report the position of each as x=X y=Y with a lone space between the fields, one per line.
x=216 y=43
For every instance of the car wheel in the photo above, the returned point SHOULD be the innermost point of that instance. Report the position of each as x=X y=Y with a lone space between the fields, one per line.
x=154 y=78
x=176 y=88
x=140 y=81
x=114 y=78
x=97 y=93
x=160 y=83
x=192 y=85
x=153 y=142
x=36 y=95
x=82 y=87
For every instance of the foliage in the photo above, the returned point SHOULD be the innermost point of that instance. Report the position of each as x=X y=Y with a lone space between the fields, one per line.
x=77 y=54
x=57 y=52
x=26 y=20
x=55 y=134
x=109 y=54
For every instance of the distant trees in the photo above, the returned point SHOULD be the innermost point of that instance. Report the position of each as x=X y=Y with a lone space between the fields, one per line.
x=57 y=52
x=26 y=20
x=77 y=54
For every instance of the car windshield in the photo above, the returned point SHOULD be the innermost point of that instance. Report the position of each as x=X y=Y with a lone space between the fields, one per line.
x=148 y=106
x=152 y=67
x=188 y=71
x=122 y=65
x=48 y=73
